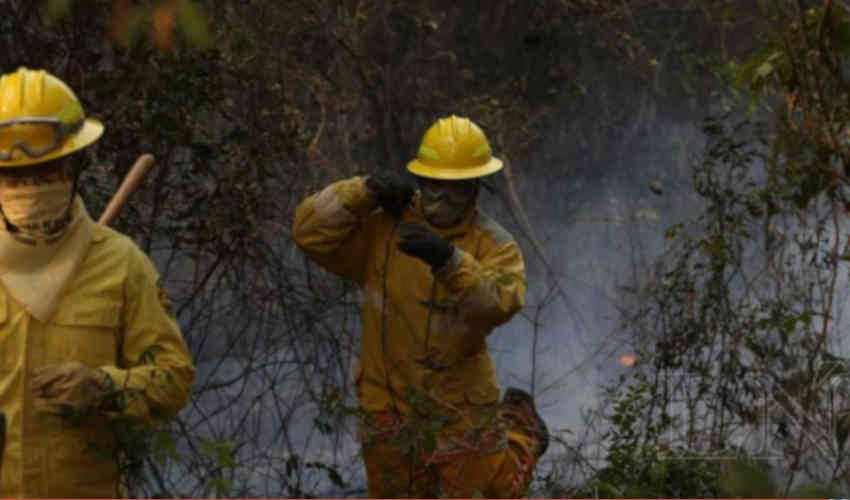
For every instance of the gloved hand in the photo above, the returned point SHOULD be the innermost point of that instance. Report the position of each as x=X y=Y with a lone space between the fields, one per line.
x=69 y=389
x=392 y=192
x=419 y=241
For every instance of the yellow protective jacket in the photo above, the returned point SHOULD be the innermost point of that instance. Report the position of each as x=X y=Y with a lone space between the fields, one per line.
x=419 y=331
x=113 y=315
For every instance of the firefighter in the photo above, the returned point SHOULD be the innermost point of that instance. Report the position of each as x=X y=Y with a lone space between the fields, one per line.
x=86 y=333
x=437 y=277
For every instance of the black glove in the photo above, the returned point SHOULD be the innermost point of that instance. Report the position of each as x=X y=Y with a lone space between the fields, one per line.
x=419 y=241
x=392 y=193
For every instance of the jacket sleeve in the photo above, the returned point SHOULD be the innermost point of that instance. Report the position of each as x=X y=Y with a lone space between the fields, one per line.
x=489 y=290
x=154 y=379
x=329 y=227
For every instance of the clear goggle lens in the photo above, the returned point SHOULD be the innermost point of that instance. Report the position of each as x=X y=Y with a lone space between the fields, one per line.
x=41 y=136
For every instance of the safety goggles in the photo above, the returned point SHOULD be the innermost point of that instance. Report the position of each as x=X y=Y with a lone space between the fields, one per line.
x=55 y=131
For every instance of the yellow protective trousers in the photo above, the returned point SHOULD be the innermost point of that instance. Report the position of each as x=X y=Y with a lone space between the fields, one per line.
x=415 y=460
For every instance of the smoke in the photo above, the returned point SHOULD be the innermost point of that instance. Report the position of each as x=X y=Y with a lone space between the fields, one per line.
x=602 y=226
x=601 y=220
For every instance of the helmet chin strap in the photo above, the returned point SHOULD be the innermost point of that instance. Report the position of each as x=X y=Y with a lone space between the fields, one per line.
x=78 y=169
x=9 y=226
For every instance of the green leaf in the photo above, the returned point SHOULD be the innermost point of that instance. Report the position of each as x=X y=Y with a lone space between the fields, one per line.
x=56 y=9
x=673 y=231
x=746 y=479
x=323 y=426
x=193 y=24
x=164 y=447
x=135 y=27
x=222 y=451
x=763 y=70
x=813 y=491
x=842 y=36
x=430 y=439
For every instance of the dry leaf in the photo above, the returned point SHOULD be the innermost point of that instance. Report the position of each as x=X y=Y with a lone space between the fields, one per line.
x=164 y=20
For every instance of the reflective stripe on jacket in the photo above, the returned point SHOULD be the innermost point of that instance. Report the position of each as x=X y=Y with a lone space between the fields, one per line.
x=114 y=316
x=419 y=331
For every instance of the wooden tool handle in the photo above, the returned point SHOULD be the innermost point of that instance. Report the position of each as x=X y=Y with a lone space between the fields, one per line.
x=130 y=183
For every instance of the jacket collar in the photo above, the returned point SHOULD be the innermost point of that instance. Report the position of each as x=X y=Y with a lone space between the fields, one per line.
x=37 y=276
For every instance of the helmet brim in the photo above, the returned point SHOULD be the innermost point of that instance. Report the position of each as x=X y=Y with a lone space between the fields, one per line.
x=443 y=173
x=90 y=132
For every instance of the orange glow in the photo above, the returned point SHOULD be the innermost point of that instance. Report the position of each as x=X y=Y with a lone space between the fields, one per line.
x=121 y=15
x=628 y=359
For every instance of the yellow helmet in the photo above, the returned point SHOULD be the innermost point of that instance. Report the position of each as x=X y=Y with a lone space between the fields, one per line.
x=41 y=119
x=454 y=148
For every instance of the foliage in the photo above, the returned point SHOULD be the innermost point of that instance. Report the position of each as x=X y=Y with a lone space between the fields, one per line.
x=737 y=330
x=249 y=106
x=640 y=462
x=799 y=77
x=288 y=96
x=643 y=462
x=161 y=20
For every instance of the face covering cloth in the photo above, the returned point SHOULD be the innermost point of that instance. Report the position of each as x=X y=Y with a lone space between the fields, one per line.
x=444 y=203
x=44 y=245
